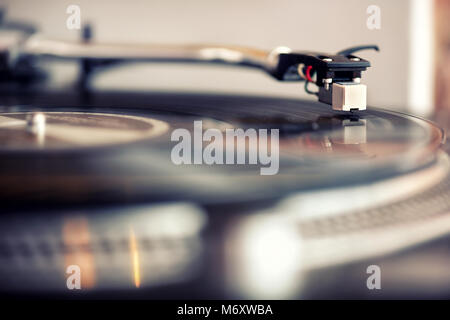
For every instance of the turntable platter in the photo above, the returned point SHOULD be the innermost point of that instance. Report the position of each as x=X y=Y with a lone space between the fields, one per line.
x=100 y=168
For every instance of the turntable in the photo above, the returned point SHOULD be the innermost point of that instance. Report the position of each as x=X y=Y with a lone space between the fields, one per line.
x=88 y=179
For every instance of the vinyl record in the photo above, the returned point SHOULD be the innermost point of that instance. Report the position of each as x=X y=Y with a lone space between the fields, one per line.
x=122 y=153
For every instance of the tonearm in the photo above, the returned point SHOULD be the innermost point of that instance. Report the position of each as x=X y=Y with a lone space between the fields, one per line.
x=337 y=76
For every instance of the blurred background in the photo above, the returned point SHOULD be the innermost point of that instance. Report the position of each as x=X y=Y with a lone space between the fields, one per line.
x=410 y=73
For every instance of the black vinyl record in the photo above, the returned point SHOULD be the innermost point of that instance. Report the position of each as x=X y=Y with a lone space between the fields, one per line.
x=123 y=152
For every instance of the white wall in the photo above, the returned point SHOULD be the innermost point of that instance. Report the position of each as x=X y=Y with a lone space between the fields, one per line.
x=326 y=25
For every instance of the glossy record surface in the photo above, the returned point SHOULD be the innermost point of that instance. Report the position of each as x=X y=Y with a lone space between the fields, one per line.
x=122 y=152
